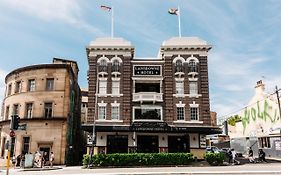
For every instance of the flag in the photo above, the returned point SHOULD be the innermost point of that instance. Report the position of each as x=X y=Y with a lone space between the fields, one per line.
x=105 y=7
x=173 y=11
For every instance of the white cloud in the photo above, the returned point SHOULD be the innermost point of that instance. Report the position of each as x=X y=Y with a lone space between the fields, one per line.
x=2 y=87
x=68 y=11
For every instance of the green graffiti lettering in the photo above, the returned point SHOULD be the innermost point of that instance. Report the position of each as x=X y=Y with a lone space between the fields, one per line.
x=246 y=119
x=260 y=114
x=254 y=114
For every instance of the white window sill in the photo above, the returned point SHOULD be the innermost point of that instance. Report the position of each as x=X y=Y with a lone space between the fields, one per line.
x=194 y=95
x=192 y=121
x=112 y=95
x=109 y=121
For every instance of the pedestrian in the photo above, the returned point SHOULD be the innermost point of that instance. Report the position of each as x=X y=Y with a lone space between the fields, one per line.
x=262 y=156
x=233 y=154
x=251 y=155
x=52 y=159
x=229 y=154
x=22 y=160
x=14 y=160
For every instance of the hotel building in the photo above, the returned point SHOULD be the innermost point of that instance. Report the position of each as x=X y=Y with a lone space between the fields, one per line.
x=149 y=105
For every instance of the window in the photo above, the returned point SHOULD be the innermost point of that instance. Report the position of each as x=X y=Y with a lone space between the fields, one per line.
x=48 y=109
x=50 y=84
x=16 y=109
x=180 y=113
x=102 y=87
x=179 y=87
x=115 y=113
x=103 y=66
x=9 y=89
x=102 y=112
x=115 y=66
x=31 y=85
x=83 y=107
x=7 y=113
x=26 y=144
x=264 y=142
x=179 y=66
x=192 y=66
x=115 y=87
x=193 y=89
x=18 y=87
x=194 y=113
x=147 y=113
x=28 y=110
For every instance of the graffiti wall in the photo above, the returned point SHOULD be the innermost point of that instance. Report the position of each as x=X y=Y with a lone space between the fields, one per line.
x=261 y=118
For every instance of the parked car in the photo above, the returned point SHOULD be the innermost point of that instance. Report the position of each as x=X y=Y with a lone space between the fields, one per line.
x=213 y=149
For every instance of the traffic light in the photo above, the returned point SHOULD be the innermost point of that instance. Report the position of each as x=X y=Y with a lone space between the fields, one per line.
x=15 y=122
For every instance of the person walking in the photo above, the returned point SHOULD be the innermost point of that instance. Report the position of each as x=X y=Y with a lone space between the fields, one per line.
x=234 y=161
x=251 y=155
x=52 y=159
x=262 y=156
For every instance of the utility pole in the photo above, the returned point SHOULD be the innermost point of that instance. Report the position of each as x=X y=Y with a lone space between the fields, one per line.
x=278 y=100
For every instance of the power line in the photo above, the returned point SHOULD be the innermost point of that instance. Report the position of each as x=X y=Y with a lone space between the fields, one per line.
x=225 y=117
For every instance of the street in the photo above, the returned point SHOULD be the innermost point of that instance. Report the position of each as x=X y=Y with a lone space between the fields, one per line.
x=266 y=168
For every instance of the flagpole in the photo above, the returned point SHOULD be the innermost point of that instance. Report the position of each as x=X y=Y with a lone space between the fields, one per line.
x=112 y=22
x=179 y=20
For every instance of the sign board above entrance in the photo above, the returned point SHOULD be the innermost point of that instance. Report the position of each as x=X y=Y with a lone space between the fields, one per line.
x=147 y=70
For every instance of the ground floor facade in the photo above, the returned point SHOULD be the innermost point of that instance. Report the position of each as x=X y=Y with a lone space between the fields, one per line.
x=148 y=138
x=40 y=135
x=270 y=144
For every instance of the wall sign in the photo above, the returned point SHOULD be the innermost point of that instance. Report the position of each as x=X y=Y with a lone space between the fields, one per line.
x=147 y=70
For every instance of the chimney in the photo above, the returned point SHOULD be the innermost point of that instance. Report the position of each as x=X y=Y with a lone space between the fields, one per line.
x=260 y=87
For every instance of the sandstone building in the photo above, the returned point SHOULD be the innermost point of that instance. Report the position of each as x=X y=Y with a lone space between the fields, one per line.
x=47 y=99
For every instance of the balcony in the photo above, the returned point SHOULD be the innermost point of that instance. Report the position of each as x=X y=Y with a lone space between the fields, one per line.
x=147 y=97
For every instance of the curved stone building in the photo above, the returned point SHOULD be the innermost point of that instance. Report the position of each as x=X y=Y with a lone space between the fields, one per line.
x=47 y=99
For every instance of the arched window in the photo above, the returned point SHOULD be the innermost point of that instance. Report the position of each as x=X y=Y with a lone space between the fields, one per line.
x=103 y=66
x=192 y=66
x=179 y=66
x=116 y=66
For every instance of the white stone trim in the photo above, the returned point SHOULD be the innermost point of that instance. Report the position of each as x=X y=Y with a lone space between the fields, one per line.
x=192 y=58
x=115 y=104
x=103 y=58
x=102 y=104
x=194 y=105
x=178 y=58
x=116 y=58
x=180 y=104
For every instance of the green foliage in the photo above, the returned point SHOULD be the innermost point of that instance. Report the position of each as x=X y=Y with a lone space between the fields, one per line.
x=139 y=159
x=214 y=158
x=233 y=119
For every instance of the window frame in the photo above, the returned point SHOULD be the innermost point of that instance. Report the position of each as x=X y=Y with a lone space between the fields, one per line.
x=28 y=113
x=193 y=88
x=48 y=114
x=31 y=86
x=50 y=86
x=102 y=89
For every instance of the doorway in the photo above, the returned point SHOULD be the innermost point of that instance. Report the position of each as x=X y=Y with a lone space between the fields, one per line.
x=45 y=151
x=117 y=144
x=147 y=144
x=178 y=144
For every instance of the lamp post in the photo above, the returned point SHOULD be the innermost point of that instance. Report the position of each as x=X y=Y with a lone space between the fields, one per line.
x=278 y=100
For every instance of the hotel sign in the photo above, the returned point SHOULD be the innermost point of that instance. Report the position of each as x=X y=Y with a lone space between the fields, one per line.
x=147 y=70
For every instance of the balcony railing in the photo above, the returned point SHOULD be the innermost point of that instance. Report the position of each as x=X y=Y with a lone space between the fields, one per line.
x=147 y=96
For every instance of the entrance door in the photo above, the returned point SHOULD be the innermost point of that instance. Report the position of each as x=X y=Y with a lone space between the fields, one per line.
x=178 y=144
x=45 y=152
x=117 y=144
x=148 y=144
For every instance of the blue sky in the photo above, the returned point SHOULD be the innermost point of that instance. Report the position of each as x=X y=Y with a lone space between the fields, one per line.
x=245 y=35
